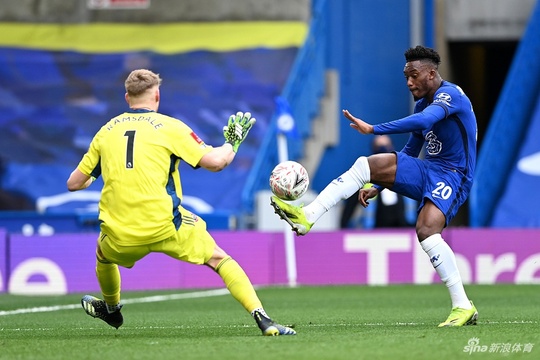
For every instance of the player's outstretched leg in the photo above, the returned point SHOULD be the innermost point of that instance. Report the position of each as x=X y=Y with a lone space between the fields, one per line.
x=97 y=308
x=242 y=290
x=293 y=215
x=461 y=317
x=270 y=327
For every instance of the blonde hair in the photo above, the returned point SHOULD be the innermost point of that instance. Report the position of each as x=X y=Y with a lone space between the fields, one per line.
x=141 y=80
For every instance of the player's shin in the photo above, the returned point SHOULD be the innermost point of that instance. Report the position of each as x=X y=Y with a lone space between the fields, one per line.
x=109 y=280
x=238 y=284
x=339 y=189
x=443 y=260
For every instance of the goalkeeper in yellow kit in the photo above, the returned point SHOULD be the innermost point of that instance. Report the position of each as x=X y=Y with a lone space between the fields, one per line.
x=140 y=211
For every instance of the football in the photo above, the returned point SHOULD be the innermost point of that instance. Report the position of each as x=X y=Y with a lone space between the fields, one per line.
x=289 y=180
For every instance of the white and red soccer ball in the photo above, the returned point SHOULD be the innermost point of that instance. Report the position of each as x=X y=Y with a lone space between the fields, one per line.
x=289 y=180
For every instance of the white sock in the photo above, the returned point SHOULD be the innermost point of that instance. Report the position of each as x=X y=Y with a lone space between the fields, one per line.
x=339 y=189
x=261 y=311
x=444 y=261
x=113 y=308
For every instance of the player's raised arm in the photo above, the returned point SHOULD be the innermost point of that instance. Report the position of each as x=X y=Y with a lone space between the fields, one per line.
x=358 y=124
x=235 y=132
x=237 y=129
x=218 y=158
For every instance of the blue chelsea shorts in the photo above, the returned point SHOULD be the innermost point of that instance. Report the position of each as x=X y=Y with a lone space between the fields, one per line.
x=418 y=179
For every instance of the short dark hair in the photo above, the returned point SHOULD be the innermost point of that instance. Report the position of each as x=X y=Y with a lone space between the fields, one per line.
x=422 y=53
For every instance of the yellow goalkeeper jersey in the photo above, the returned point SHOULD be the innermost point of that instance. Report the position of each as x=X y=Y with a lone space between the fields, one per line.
x=137 y=154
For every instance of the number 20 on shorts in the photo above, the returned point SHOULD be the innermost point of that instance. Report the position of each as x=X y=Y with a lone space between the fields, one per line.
x=442 y=191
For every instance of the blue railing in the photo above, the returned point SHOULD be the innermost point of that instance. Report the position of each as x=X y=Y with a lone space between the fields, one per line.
x=303 y=91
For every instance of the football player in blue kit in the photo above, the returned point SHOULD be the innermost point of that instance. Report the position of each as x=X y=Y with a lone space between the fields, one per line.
x=444 y=122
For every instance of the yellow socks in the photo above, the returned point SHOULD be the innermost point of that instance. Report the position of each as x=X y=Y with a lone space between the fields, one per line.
x=238 y=284
x=109 y=281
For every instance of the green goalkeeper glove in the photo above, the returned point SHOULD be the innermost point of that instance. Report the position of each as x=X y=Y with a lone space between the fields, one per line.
x=235 y=132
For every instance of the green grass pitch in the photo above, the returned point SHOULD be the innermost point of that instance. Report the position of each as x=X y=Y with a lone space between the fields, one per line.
x=334 y=322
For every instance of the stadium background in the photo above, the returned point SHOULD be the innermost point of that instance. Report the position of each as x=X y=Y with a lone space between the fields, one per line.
x=63 y=64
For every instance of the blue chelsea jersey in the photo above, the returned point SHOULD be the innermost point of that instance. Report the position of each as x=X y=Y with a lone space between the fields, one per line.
x=447 y=126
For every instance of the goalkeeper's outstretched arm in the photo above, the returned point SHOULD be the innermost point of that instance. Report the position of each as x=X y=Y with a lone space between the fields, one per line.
x=235 y=132
x=237 y=129
x=79 y=181
x=218 y=158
